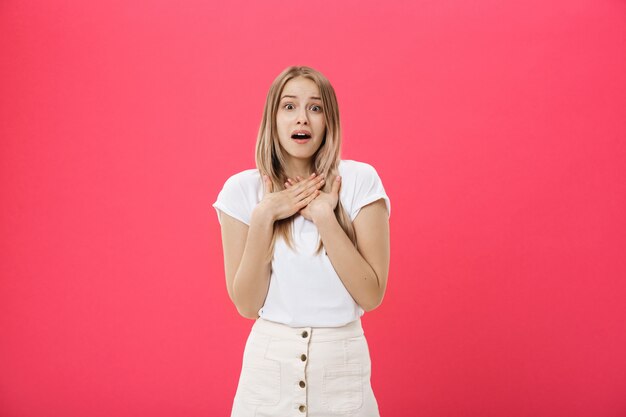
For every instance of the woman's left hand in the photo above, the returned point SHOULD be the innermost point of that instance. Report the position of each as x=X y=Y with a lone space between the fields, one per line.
x=323 y=203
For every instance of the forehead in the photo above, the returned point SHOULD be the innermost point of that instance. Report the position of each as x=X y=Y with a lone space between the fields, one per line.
x=301 y=87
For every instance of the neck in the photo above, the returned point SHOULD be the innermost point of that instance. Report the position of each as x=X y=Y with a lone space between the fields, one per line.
x=298 y=167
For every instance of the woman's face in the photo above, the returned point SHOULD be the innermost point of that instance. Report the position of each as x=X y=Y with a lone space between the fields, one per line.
x=300 y=111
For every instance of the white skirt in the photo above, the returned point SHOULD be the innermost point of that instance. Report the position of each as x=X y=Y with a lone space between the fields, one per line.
x=305 y=371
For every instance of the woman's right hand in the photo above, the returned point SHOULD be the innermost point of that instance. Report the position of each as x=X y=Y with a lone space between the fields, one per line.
x=285 y=203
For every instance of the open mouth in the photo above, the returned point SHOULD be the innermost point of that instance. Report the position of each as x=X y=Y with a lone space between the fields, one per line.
x=301 y=136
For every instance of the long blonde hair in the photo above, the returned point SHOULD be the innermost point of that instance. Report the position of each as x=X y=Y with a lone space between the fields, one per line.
x=270 y=159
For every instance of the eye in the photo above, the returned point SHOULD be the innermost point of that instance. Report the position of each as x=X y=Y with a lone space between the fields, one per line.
x=316 y=107
x=288 y=104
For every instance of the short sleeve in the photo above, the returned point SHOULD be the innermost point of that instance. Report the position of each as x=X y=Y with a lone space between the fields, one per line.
x=234 y=201
x=368 y=188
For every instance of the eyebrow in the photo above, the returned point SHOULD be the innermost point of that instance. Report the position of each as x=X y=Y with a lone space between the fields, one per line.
x=314 y=98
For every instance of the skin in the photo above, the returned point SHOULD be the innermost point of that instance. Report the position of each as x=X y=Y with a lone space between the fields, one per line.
x=247 y=270
x=363 y=270
x=298 y=110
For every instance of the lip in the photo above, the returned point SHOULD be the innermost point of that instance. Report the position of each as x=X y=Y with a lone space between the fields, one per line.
x=301 y=131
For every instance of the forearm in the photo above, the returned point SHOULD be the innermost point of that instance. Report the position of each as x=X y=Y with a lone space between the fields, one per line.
x=252 y=279
x=357 y=275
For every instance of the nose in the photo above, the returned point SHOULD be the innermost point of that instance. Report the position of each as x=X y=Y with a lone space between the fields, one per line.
x=302 y=116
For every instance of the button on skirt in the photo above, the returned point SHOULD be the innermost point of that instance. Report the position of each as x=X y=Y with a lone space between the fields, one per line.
x=305 y=371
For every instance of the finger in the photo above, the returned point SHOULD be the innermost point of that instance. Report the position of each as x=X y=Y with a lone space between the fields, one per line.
x=320 y=179
x=306 y=201
x=303 y=185
x=313 y=196
x=305 y=193
x=309 y=178
x=268 y=184
x=336 y=185
x=315 y=187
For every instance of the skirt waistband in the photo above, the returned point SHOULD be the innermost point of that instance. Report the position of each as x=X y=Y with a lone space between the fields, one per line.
x=317 y=334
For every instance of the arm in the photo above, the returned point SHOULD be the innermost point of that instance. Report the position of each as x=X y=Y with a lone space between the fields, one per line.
x=363 y=270
x=247 y=272
x=246 y=265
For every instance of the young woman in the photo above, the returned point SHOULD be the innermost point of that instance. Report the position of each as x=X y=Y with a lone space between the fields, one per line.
x=306 y=251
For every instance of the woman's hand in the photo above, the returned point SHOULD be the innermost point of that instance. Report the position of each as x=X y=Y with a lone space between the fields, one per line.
x=286 y=203
x=323 y=203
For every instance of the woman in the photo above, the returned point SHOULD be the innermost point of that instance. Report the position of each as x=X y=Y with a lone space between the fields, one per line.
x=306 y=252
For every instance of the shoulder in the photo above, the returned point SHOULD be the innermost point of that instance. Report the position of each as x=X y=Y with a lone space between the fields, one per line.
x=245 y=184
x=244 y=177
x=360 y=186
x=248 y=181
x=240 y=193
x=351 y=164
x=353 y=171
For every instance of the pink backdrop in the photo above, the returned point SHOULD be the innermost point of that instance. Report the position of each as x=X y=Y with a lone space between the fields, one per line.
x=498 y=129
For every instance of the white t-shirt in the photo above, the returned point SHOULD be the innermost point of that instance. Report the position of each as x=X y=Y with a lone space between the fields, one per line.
x=304 y=289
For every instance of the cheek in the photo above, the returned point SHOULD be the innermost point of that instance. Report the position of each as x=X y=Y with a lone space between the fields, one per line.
x=323 y=126
x=282 y=121
x=282 y=129
x=280 y=124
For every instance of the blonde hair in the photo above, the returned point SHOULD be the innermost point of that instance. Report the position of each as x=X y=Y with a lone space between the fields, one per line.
x=269 y=154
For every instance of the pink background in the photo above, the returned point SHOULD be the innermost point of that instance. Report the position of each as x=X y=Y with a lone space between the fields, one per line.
x=498 y=129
